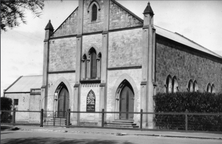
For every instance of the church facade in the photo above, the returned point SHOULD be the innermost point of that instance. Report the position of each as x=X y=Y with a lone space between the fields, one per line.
x=105 y=57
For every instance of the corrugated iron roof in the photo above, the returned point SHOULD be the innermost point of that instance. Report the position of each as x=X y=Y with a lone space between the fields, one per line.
x=25 y=83
x=183 y=40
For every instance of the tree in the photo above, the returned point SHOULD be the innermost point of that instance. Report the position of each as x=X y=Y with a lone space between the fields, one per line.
x=6 y=104
x=12 y=11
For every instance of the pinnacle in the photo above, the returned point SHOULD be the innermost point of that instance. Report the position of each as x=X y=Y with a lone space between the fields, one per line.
x=148 y=10
x=49 y=26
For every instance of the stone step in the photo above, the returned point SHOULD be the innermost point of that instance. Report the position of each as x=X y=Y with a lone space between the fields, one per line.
x=122 y=124
x=58 y=121
x=123 y=121
x=118 y=123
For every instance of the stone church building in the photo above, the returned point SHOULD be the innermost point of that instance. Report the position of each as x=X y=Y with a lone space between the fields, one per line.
x=105 y=57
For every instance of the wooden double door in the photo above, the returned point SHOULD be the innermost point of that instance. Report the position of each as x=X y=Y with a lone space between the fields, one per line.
x=126 y=103
x=63 y=102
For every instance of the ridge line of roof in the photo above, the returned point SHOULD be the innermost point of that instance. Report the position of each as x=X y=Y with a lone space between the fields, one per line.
x=215 y=54
x=12 y=84
x=197 y=44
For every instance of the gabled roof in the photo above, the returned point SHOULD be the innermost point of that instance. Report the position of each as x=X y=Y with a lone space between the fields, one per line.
x=25 y=83
x=163 y=32
x=183 y=40
x=171 y=35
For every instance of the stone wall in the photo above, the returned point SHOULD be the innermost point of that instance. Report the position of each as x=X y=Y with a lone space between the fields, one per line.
x=34 y=105
x=90 y=41
x=62 y=54
x=120 y=18
x=88 y=25
x=69 y=26
x=125 y=48
x=172 y=60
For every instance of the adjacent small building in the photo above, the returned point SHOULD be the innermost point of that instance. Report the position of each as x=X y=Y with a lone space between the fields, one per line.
x=25 y=93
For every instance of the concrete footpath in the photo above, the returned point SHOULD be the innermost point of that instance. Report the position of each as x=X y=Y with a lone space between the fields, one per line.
x=119 y=132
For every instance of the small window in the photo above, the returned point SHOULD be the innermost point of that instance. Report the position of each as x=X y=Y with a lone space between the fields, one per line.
x=212 y=88
x=209 y=87
x=195 y=86
x=169 y=84
x=91 y=100
x=175 y=84
x=94 y=12
x=93 y=63
x=190 y=86
x=16 y=102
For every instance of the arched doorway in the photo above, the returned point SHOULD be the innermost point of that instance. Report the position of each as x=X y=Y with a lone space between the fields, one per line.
x=63 y=100
x=126 y=100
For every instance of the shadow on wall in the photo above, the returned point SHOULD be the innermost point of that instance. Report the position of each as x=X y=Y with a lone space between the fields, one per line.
x=58 y=141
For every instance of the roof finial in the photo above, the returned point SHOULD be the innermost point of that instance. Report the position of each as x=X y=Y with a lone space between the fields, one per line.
x=49 y=26
x=148 y=10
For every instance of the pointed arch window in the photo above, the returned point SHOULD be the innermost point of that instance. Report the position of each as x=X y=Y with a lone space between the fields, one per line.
x=93 y=63
x=91 y=66
x=190 y=86
x=94 y=12
x=90 y=101
x=175 y=84
x=212 y=88
x=195 y=86
x=169 y=84
x=84 y=67
x=209 y=87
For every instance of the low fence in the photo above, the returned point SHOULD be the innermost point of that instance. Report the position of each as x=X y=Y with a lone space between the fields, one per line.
x=161 y=121
x=16 y=117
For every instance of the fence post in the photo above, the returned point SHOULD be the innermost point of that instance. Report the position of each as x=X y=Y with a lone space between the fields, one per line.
x=68 y=118
x=102 y=117
x=41 y=118
x=13 y=116
x=54 y=115
x=186 y=120
x=141 y=119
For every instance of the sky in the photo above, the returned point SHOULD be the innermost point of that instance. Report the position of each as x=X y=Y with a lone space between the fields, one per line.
x=22 y=47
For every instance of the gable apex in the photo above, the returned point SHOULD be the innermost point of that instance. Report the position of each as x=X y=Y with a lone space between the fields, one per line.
x=121 y=17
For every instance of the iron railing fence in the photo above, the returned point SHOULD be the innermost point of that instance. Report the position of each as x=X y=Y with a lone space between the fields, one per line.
x=161 y=120
x=17 y=117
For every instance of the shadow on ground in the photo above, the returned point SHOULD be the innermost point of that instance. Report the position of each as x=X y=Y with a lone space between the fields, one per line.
x=59 y=141
x=5 y=127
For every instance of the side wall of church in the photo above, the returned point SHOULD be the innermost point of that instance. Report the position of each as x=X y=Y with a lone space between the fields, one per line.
x=53 y=82
x=125 y=48
x=62 y=54
x=185 y=65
